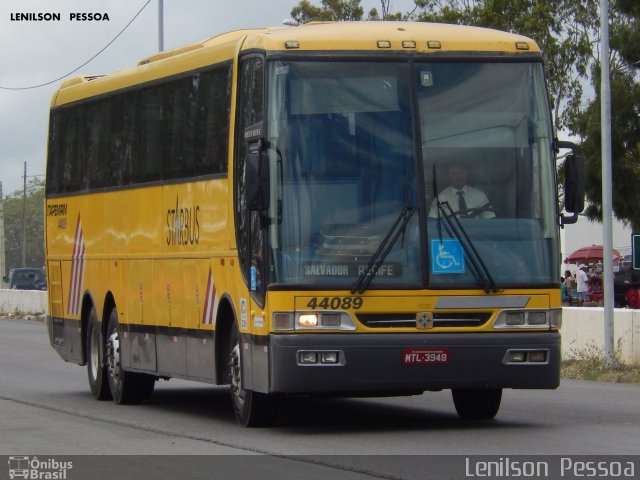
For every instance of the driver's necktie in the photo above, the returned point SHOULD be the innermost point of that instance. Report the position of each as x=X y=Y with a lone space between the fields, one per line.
x=462 y=204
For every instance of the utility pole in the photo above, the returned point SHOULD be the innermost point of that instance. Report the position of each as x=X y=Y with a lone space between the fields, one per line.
x=160 y=25
x=24 y=219
x=607 y=195
x=3 y=271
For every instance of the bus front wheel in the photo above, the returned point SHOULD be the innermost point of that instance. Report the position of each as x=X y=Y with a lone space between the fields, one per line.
x=477 y=404
x=126 y=387
x=252 y=409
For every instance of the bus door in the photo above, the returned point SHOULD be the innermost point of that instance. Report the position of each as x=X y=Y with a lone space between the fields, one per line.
x=251 y=203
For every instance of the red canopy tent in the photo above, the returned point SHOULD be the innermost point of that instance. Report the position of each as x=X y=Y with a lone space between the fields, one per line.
x=591 y=254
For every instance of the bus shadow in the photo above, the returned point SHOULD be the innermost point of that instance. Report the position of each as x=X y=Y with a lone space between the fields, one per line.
x=331 y=415
x=211 y=402
x=375 y=415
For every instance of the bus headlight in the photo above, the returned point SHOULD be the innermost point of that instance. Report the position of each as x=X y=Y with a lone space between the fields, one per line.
x=556 y=318
x=529 y=319
x=307 y=358
x=325 y=320
x=320 y=358
x=307 y=320
x=282 y=321
x=329 y=357
x=514 y=318
x=526 y=357
x=537 y=318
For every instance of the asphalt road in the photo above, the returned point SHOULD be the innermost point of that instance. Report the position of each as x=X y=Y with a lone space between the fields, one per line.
x=46 y=409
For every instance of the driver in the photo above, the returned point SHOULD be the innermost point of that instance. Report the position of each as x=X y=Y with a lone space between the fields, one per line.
x=464 y=200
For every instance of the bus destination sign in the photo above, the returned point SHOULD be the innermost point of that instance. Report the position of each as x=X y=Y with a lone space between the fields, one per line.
x=349 y=269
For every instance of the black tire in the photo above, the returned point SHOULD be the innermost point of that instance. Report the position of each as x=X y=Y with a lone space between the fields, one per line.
x=252 y=409
x=94 y=348
x=477 y=404
x=127 y=388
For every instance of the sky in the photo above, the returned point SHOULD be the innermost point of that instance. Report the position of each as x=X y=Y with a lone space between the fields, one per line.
x=36 y=52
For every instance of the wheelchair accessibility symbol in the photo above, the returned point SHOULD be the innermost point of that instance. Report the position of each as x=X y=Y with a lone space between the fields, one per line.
x=447 y=256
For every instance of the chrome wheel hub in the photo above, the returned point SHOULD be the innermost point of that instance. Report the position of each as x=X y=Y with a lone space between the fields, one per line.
x=95 y=353
x=236 y=374
x=113 y=356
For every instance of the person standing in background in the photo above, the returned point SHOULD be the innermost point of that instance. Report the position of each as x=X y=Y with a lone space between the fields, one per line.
x=582 y=280
x=571 y=286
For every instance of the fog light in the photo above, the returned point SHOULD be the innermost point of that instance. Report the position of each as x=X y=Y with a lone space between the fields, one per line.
x=329 y=357
x=538 y=356
x=307 y=358
x=517 y=356
x=537 y=318
x=308 y=320
x=515 y=318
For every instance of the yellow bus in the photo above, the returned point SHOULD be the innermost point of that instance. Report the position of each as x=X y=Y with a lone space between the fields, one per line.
x=269 y=209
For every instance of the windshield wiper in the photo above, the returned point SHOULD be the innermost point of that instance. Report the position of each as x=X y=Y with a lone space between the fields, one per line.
x=383 y=250
x=456 y=229
x=477 y=264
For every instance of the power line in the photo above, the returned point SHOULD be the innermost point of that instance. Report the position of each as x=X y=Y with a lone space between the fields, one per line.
x=85 y=63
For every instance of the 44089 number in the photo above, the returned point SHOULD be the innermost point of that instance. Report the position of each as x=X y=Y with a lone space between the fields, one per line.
x=335 y=303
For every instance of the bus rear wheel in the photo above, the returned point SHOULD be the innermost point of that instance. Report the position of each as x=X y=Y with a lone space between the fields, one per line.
x=94 y=348
x=126 y=387
x=251 y=409
x=477 y=404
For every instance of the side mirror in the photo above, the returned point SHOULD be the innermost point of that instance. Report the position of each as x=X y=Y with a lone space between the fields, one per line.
x=574 y=183
x=257 y=176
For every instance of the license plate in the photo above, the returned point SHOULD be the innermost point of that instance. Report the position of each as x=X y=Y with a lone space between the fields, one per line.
x=425 y=356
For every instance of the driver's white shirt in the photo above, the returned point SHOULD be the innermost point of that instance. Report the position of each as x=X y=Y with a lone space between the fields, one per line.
x=473 y=197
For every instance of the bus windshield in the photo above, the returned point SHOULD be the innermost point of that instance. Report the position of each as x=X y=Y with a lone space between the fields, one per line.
x=486 y=141
x=353 y=144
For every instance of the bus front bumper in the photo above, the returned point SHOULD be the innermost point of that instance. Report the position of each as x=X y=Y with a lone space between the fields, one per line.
x=397 y=363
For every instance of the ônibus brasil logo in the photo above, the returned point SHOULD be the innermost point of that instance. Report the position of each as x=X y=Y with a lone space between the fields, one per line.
x=38 y=469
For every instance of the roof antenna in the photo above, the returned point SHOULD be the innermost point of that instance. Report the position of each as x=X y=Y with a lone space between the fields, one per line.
x=290 y=22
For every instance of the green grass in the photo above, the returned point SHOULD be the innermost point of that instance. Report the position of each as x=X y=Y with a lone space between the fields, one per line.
x=581 y=370
x=589 y=364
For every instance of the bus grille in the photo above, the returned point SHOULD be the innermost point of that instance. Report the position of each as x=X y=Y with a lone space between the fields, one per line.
x=408 y=320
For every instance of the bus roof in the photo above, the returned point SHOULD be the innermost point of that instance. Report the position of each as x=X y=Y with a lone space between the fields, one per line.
x=354 y=36
x=407 y=37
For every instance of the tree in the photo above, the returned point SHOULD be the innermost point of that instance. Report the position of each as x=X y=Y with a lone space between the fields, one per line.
x=625 y=120
x=34 y=226
x=385 y=5
x=625 y=34
x=625 y=150
x=568 y=34
x=563 y=29
x=341 y=10
x=331 y=10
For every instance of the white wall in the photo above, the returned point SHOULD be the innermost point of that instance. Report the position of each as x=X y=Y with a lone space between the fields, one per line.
x=26 y=302
x=583 y=332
